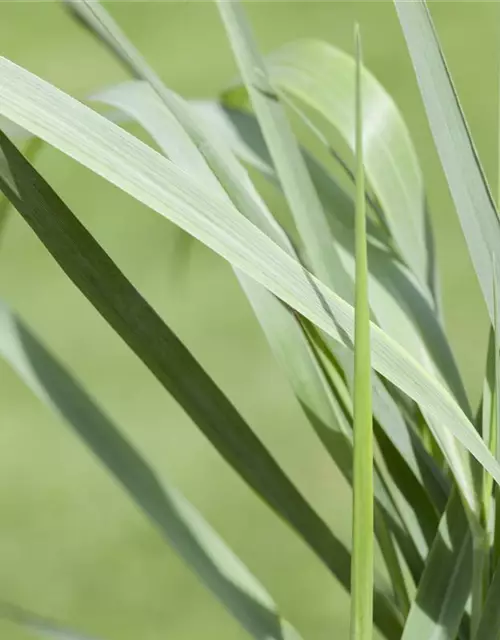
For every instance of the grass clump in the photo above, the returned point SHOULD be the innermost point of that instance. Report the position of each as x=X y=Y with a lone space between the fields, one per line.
x=351 y=311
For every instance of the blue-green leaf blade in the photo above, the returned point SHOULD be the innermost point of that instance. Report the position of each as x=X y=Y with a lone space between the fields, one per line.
x=470 y=192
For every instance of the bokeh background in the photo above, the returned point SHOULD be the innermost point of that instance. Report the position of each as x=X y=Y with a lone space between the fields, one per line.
x=72 y=545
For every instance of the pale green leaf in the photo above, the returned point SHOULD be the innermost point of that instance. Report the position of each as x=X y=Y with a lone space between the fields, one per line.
x=468 y=186
x=320 y=254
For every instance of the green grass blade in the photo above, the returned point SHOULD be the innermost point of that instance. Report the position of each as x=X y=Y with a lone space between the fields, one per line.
x=485 y=559
x=495 y=415
x=168 y=359
x=322 y=77
x=468 y=187
x=39 y=625
x=192 y=538
x=442 y=595
x=243 y=134
x=489 y=626
x=362 y=552
x=302 y=199
x=144 y=174
x=488 y=415
x=388 y=548
x=480 y=578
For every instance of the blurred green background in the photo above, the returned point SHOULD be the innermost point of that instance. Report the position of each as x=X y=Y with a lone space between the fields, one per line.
x=72 y=545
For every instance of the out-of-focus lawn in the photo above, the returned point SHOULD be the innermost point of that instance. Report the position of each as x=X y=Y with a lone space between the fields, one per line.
x=71 y=543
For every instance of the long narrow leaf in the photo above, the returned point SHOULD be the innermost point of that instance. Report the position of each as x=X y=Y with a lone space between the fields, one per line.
x=291 y=169
x=468 y=186
x=489 y=626
x=202 y=549
x=303 y=201
x=42 y=627
x=442 y=595
x=362 y=552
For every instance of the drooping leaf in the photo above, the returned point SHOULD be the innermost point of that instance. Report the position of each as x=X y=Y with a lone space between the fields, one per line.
x=147 y=176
